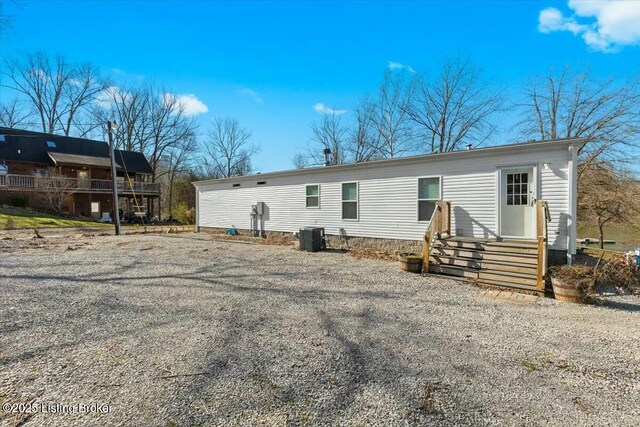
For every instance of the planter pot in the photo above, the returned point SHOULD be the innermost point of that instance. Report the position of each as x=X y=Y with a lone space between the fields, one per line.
x=567 y=292
x=410 y=262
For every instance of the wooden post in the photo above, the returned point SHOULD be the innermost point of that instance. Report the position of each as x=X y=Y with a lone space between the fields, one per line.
x=448 y=206
x=438 y=219
x=114 y=180
x=426 y=252
x=540 y=218
x=540 y=227
x=540 y=281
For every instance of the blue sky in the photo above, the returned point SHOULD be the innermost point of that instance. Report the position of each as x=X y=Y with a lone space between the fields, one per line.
x=268 y=63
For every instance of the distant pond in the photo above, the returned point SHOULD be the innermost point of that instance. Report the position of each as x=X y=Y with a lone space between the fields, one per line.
x=625 y=237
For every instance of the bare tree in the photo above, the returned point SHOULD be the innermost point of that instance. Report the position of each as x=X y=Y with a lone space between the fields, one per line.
x=81 y=91
x=608 y=196
x=328 y=132
x=128 y=107
x=299 y=161
x=149 y=120
x=390 y=117
x=169 y=126
x=573 y=105
x=364 y=142
x=228 y=148
x=54 y=190
x=13 y=115
x=454 y=109
x=57 y=90
x=177 y=161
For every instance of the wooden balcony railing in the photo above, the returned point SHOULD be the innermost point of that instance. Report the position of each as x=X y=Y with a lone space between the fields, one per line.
x=33 y=183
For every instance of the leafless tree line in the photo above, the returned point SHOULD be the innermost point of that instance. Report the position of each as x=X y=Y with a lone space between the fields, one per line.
x=55 y=96
x=410 y=113
x=414 y=113
x=574 y=105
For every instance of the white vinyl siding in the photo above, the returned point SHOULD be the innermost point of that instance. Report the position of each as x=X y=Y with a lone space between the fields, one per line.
x=387 y=196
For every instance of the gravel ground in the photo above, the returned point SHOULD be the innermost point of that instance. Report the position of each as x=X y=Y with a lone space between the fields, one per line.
x=181 y=330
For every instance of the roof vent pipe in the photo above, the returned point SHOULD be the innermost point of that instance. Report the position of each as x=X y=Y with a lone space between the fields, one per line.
x=469 y=146
x=327 y=156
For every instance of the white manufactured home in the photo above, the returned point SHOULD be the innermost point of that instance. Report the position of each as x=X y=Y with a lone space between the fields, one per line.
x=492 y=195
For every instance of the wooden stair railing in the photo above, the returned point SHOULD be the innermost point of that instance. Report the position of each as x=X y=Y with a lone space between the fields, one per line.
x=542 y=218
x=439 y=223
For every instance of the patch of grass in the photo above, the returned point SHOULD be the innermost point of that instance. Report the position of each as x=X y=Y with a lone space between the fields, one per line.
x=16 y=218
x=529 y=366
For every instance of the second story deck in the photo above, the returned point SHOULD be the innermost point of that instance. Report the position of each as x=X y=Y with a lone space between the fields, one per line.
x=13 y=182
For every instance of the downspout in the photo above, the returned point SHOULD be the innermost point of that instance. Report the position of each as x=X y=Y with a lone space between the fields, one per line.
x=197 y=209
x=573 y=203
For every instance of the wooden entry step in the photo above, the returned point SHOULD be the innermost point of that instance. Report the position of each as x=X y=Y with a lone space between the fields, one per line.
x=486 y=264
x=511 y=264
x=526 y=258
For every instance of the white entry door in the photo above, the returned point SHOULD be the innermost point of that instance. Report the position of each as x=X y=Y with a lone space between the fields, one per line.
x=517 y=203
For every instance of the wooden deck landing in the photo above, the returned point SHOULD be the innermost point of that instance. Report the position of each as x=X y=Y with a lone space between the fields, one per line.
x=517 y=264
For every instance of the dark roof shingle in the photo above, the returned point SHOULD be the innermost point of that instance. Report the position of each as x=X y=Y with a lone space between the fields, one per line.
x=32 y=147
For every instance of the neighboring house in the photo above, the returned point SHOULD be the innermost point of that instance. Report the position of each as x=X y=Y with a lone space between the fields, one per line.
x=27 y=159
x=492 y=193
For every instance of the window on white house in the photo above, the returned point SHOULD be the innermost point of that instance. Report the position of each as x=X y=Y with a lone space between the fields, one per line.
x=428 y=195
x=350 y=200
x=313 y=196
x=517 y=189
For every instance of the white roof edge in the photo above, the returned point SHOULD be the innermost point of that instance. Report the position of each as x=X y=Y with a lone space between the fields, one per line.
x=398 y=160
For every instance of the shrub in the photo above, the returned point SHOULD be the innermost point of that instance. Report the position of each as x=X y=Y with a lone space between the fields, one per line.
x=190 y=215
x=10 y=224
x=19 y=200
x=184 y=214
x=616 y=272
x=620 y=273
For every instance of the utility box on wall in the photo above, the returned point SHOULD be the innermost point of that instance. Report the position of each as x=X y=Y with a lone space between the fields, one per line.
x=312 y=239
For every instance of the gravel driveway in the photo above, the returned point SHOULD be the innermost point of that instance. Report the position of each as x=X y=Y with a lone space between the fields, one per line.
x=181 y=330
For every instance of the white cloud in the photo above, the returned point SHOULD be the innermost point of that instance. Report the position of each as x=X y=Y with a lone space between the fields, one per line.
x=191 y=105
x=251 y=93
x=106 y=97
x=323 y=109
x=398 y=66
x=605 y=26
